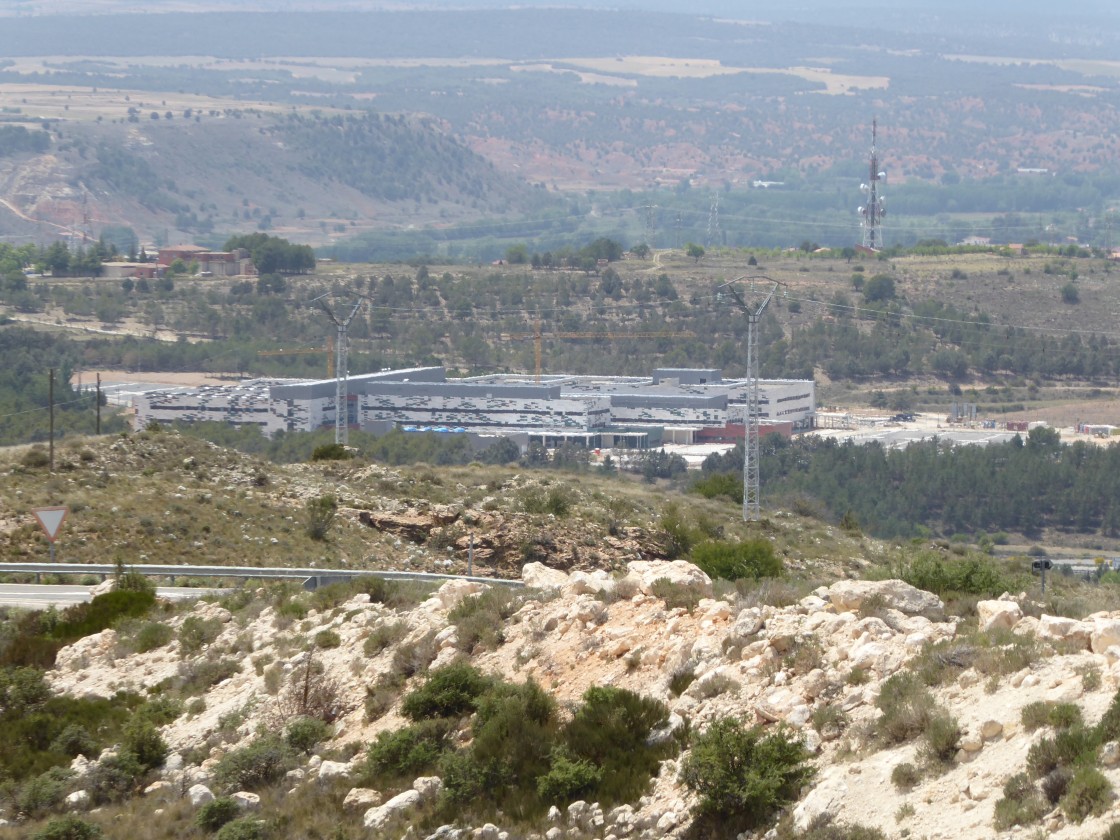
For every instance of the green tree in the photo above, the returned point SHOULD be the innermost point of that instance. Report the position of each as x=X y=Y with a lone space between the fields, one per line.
x=695 y=251
x=744 y=775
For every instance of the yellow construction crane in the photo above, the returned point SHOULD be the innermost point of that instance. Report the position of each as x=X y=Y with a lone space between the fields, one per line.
x=327 y=348
x=539 y=336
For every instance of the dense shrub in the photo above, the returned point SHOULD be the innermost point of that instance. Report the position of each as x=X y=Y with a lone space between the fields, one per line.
x=568 y=779
x=744 y=775
x=143 y=741
x=73 y=741
x=42 y=794
x=734 y=560
x=1089 y=793
x=303 y=733
x=195 y=632
x=451 y=691
x=69 y=828
x=255 y=766
x=152 y=635
x=383 y=635
x=115 y=778
x=405 y=753
x=478 y=619
x=216 y=813
x=1066 y=748
x=320 y=512
x=102 y=612
x=327 y=639
x=906 y=706
x=1021 y=804
x=975 y=575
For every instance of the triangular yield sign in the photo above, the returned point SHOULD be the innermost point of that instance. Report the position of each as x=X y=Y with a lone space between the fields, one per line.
x=51 y=520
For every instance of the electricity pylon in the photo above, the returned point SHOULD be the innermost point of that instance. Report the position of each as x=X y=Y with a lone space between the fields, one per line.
x=341 y=370
x=751 y=506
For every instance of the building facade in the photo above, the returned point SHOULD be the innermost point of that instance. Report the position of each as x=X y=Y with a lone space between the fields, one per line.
x=590 y=410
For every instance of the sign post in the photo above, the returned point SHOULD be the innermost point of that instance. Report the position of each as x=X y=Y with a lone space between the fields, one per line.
x=51 y=519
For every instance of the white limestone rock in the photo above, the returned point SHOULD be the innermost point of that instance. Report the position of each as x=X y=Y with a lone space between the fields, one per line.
x=849 y=595
x=200 y=795
x=78 y=800
x=540 y=576
x=246 y=801
x=362 y=799
x=1105 y=634
x=998 y=615
x=644 y=573
x=378 y=817
x=1060 y=628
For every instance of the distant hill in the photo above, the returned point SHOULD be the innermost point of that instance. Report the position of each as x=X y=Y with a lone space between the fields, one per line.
x=179 y=173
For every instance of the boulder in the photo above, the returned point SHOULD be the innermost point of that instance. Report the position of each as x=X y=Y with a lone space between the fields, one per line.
x=1060 y=628
x=1105 y=634
x=246 y=801
x=412 y=525
x=454 y=591
x=429 y=787
x=78 y=800
x=849 y=595
x=378 y=817
x=161 y=789
x=588 y=583
x=331 y=770
x=998 y=615
x=644 y=573
x=200 y=795
x=361 y=799
x=540 y=576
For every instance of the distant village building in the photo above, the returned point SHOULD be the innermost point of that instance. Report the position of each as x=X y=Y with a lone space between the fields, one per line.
x=977 y=240
x=682 y=405
x=210 y=263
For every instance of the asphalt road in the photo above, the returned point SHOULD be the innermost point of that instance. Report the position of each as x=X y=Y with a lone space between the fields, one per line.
x=36 y=597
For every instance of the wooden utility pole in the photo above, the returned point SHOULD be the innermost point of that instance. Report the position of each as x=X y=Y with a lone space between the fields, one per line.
x=98 y=403
x=50 y=397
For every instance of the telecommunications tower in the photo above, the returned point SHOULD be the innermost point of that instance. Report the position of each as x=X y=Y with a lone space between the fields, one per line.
x=873 y=211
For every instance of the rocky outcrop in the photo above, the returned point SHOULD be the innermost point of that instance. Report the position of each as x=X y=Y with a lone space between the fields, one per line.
x=851 y=595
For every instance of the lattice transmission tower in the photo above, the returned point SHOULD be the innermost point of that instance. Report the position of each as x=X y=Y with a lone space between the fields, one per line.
x=873 y=211
x=753 y=306
x=714 y=232
x=341 y=367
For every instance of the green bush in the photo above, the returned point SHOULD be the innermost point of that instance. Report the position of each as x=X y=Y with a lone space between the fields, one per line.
x=73 y=741
x=1113 y=832
x=478 y=619
x=216 y=813
x=383 y=636
x=568 y=779
x=720 y=484
x=115 y=779
x=1036 y=715
x=69 y=828
x=1070 y=748
x=198 y=675
x=152 y=635
x=255 y=766
x=101 y=613
x=906 y=706
x=974 y=575
x=327 y=639
x=330 y=452
x=405 y=753
x=448 y=692
x=22 y=689
x=940 y=736
x=143 y=741
x=677 y=596
x=1021 y=804
x=752 y=559
x=196 y=632
x=44 y=793
x=905 y=775
x=303 y=733
x=246 y=828
x=321 y=514
x=744 y=775
x=1089 y=793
